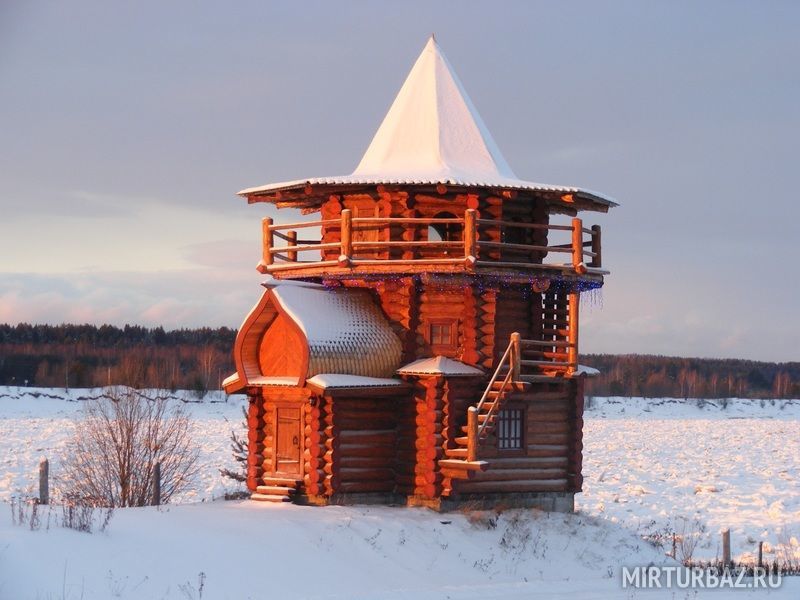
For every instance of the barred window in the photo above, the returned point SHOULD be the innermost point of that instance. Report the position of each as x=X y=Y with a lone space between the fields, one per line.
x=509 y=429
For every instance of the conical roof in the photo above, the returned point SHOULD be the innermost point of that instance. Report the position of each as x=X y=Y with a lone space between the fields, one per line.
x=433 y=130
x=432 y=134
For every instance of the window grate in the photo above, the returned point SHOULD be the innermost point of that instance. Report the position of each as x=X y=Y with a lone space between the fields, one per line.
x=509 y=429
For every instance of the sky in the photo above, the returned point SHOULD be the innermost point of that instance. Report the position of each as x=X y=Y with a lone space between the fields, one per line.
x=126 y=130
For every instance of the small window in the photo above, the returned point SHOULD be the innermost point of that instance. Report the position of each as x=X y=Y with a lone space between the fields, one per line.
x=443 y=335
x=445 y=232
x=509 y=429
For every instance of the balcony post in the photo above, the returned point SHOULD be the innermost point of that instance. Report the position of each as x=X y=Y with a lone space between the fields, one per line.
x=572 y=353
x=266 y=245
x=346 y=251
x=515 y=356
x=597 y=261
x=470 y=236
x=292 y=242
x=577 y=246
x=472 y=434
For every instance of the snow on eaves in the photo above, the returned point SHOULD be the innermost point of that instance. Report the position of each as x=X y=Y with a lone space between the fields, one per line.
x=433 y=134
x=339 y=380
x=439 y=365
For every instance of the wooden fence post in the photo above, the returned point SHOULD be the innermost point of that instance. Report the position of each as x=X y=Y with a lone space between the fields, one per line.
x=577 y=246
x=266 y=244
x=572 y=349
x=470 y=235
x=515 y=356
x=44 y=481
x=157 y=484
x=292 y=255
x=760 y=554
x=726 y=547
x=472 y=434
x=346 y=251
x=597 y=247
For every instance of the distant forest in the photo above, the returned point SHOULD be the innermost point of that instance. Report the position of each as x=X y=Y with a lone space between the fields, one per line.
x=91 y=356
x=198 y=359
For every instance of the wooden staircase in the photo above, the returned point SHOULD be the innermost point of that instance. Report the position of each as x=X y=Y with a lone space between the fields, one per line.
x=462 y=460
x=524 y=362
x=276 y=488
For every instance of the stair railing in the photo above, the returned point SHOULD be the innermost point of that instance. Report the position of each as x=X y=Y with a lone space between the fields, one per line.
x=510 y=358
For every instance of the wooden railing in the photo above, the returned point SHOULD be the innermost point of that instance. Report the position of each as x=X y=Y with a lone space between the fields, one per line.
x=469 y=246
x=510 y=369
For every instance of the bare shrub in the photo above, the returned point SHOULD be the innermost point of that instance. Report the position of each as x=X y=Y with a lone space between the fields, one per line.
x=687 y=539
x=114 y=448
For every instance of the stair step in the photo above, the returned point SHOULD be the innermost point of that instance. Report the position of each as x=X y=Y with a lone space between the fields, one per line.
x=269 y=498
x=513 y=386
x=544 y=379
x=275 y=490
x=280 y=481
x=483 y=418
x=463 y=440
x=456 y=452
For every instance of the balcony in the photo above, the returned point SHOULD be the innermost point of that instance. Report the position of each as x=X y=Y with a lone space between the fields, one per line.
x=374 y=245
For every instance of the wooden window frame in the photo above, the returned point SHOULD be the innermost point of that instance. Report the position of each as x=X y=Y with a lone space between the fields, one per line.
x=452 y=344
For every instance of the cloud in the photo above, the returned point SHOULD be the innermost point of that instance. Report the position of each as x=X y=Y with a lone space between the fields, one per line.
x=221 y=253
x=173 y=299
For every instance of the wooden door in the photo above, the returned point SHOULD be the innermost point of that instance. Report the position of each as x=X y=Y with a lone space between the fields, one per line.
x=287 y=447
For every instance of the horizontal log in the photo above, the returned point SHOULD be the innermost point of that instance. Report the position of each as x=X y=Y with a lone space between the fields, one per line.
x=526 y=462
x=367 y=437
x=535 y=427
x=547 y=450
x=285 y=226
x=559 y=416
x=365 y=450
x=366 y=424
x=365 y=462
x=493 y=474
x=350 y=474
x=354 y=487
x=543 y=485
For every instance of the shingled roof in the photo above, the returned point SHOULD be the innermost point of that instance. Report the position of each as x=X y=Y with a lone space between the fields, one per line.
x=344 y=330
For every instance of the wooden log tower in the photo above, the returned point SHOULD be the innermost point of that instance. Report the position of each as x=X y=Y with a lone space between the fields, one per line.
x=418 y=338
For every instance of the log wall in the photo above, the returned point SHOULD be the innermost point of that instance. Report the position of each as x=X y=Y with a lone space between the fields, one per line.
x=550 y=460
x=360 y=446
x=257 y=444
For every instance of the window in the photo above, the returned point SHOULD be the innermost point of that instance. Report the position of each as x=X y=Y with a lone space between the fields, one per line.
x=446 y=232
x=443 y=335
x=509 y=429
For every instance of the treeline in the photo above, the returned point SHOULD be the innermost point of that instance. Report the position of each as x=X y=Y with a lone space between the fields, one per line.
x=674 y=377
x=198 y=359
x=91 y=356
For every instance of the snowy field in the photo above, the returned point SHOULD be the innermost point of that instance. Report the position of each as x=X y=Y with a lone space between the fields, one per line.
x=697 y=467
x=651 y=467
x=36 y=422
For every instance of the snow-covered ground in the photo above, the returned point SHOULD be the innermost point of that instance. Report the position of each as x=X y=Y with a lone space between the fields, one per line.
x=650 y=467
x=36 y=422
x=697 y=467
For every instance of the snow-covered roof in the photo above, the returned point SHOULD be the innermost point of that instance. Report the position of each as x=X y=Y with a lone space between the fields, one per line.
x=439 y=365
x=338 y=380
x=432 y=134
x=345 y=329
x=588 y=371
